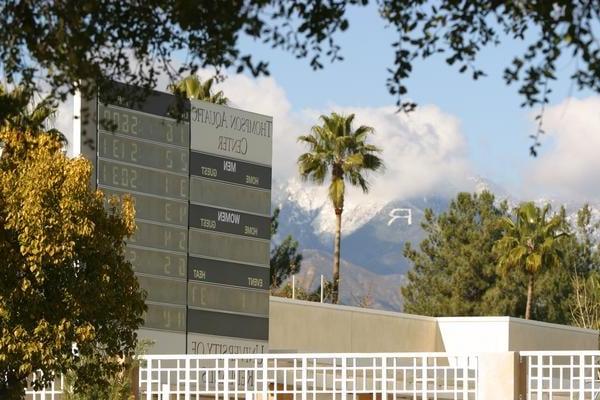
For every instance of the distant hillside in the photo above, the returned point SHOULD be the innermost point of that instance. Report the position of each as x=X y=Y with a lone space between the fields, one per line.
x=357 y=283
x=373 y=237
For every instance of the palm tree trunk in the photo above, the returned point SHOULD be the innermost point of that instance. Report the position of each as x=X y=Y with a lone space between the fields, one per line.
x=336 y=257
x=529 y=297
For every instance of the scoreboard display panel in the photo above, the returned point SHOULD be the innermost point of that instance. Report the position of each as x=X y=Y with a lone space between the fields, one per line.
x=201 y=182
x=229 y=225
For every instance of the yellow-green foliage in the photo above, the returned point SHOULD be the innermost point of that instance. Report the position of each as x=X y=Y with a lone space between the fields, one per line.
x=63 y=277
x=118 y=387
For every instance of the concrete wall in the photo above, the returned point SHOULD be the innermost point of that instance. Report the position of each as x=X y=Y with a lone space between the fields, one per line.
x=493 y=334
x=472 y=334
x=163 y=342
x=536 y=335
x=498 y=376
x=301 y=326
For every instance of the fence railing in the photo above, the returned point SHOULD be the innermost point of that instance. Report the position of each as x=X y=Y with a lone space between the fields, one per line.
x=562 y=374
x=309 y=376
x=53 y=392
x=549 y=375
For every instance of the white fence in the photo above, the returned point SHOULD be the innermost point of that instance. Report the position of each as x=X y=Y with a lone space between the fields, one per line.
x=53 y=392
x=309 y=376
x=562 y=374
x=549 y=375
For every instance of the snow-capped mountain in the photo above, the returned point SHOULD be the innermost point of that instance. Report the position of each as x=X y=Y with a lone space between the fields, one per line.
x=374 y=234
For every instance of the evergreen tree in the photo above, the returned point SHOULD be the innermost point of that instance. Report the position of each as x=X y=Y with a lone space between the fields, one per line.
x=285 y=258
x=454 y=271
x=454 y=266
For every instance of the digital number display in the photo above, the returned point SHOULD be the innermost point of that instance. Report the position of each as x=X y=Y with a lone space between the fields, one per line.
x=159 y=237
x=157 y=262
x=146 y=154
x=163 y=290
x=156 y=209
x=165 y=317
x=214 y=245
x=137 y=179
x=132 y=123
x=224 y=298
x=230 y=196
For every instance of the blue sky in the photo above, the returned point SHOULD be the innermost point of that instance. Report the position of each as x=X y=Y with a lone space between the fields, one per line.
x=496 y=128
x=463 y=128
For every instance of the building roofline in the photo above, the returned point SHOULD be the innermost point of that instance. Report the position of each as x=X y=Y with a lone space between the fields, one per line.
x=340 y=307
x=515 y=320
x=505 y=319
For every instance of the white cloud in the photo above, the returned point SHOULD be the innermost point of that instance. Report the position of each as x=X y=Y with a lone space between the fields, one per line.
x=424 y=152
x=265 y=96
x=570 y=166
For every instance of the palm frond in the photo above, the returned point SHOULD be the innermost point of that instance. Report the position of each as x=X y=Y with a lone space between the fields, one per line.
x=372 y=162
x=193 y=88
x=369 y=148
x=361 y=133
x=530 y=241
x=356 y=179
x=533 y=262
x=312 y=167
x=309 y=139
x=335 y=148
x=353 y=162
x=28 y=113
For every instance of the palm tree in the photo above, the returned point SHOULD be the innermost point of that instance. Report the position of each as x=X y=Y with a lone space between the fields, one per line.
x=193 y=88
x=20 y=111
x=334 y=147
x=530 y=242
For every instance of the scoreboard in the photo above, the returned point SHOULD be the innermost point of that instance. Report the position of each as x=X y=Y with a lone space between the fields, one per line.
x=201 y=184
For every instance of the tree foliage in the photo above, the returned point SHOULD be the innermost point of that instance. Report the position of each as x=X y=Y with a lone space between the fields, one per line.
x=299 y=293
x=585 y=303
x=22 y=112
x=337 y=150
x=455 y=269
x=64 y=281
x=530 y=242
x=285 y=258
x=193 y=88
x=64 y=44
x=119 y=386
